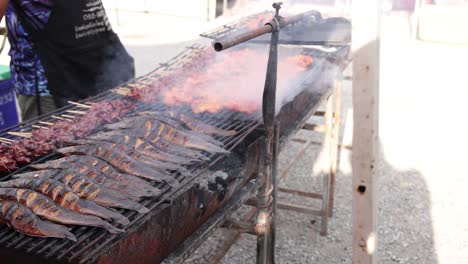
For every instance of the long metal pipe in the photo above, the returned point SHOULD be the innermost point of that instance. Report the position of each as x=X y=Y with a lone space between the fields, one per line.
x=233 y=40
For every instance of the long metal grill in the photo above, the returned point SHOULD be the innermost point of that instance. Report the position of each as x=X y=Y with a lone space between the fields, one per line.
x=93 y=241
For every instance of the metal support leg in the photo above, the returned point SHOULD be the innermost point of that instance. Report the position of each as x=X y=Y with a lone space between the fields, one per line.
x=264 y=206
x=275 y=187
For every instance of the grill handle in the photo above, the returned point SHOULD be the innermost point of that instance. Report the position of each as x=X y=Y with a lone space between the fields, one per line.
x=233 y=40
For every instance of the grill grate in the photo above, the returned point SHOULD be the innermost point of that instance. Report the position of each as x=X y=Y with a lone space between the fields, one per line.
x=92 y=241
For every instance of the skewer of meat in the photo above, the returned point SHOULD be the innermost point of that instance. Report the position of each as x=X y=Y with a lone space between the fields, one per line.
x=194 y=124
x=120 y=161
x=23 y=220
x=87 y=189
x=46 y=208
x=64 y=196
x=143 y=147
x=102 y=174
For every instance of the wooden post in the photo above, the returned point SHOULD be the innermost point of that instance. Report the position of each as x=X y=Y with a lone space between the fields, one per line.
x=225 y=7
x=365 y=49
x=334 y=153
x=326 y=176
x=211 y=9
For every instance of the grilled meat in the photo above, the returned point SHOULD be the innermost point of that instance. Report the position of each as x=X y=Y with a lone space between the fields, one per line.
x=143 y=147
x=45 y=140
x=64 y=196
x=154 y=130
x=192 y=123
x=120 y=161
x=46 y=208
x=130 y=188
x=87 y=189
x=105 y=173
x=23 y=220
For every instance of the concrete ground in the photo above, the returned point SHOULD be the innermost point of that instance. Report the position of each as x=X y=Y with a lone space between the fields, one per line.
x=422 y=207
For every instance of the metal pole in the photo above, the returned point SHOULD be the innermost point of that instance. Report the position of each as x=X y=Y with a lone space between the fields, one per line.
x=265 y=227
x=275 y=186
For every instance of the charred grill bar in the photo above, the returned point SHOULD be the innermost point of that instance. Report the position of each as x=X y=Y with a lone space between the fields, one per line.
x=202 y=201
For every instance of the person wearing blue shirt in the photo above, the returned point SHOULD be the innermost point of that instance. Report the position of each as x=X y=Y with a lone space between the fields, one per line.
x=62 y=50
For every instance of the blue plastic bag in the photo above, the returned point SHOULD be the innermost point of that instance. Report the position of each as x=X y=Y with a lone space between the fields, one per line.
x=8 y=111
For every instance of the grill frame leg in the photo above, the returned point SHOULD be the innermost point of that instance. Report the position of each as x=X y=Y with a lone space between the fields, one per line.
x=335 y=148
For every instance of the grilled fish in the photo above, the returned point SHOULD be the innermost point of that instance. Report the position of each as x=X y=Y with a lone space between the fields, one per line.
x=130 y=186
x=156 y=165
x=154 y=130
x=142 y=117
x=64 y=196
x=130 y=152
x=158 y=143
x=143 y=147
x=193 y=123
x=110 y=172
x=23 y=220
x=87 y=189
x=120 y=161
x=46 y=208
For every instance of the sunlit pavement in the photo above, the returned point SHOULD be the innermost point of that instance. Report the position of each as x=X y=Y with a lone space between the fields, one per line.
x=423 y=127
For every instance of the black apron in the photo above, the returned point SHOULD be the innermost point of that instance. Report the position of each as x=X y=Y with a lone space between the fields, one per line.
x=80 y=53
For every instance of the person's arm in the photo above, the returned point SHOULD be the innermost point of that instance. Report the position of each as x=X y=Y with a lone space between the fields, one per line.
x=3 y=8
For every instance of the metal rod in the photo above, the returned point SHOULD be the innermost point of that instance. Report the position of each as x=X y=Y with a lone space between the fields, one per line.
x=230 y=41
x=275 y=186
x=265 y=217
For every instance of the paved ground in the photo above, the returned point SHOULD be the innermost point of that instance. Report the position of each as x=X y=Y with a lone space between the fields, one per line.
x=422 y=210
